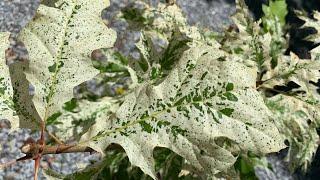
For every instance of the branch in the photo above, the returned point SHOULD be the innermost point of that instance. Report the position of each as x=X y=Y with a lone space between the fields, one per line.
x=32 y=149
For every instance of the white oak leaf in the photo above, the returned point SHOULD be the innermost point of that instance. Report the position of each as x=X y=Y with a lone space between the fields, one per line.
x=297 y=120
x=292 y=68
x=204 y=104
x=7 y=107
x=60 y=42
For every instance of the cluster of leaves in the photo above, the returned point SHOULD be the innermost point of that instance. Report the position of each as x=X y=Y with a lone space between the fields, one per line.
x=193 y=105
x=287 y=83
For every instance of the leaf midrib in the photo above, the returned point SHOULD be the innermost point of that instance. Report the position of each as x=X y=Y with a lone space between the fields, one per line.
x=53 y=78
x=154 y=114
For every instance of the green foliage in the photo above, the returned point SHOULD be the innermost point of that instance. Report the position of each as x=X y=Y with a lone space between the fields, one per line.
x=247 y=163
x=116 y=165
x=299 y=125
x=276 y=12
x=273 y=22
x=296 y=110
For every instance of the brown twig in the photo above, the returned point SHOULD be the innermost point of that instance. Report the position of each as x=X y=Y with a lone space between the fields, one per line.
x=36 y=166
x=40 y=146
x=58 y=149
x=32 y=149
x=35 y=150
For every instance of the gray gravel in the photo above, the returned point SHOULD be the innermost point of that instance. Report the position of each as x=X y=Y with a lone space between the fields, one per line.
x=279 y=170
x=210 y=14
x=15 y=14
x=10 y=151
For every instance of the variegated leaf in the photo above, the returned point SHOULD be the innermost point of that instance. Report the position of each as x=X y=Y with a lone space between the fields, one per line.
x=7 y=107
x=60 y=42
x=205 y=106
x=297 y=120
x=302 y=72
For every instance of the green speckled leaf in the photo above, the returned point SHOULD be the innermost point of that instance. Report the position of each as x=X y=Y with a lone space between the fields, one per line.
x=263 y=50
x=163 y=40
x=185 y=114
x=60 y=42
x=28 y=116
x=7 y=110
x=113 y=71
x=251 y=44
x=74 y=125
x=299 y=71
x=297 y=121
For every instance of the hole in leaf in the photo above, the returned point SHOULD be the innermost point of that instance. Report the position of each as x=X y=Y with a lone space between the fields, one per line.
x=286 y=142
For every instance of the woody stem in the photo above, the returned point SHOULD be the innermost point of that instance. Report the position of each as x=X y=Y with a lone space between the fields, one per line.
x=61 y=148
